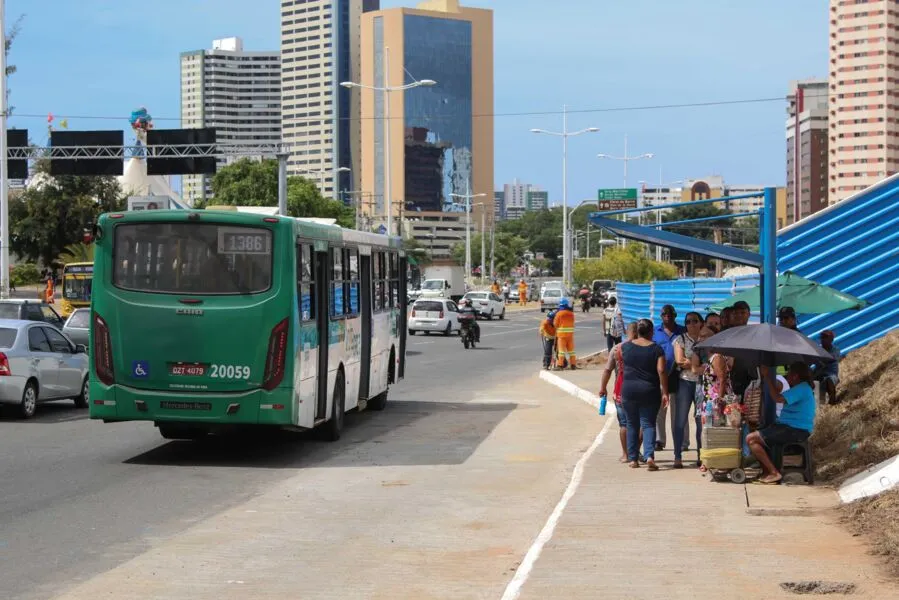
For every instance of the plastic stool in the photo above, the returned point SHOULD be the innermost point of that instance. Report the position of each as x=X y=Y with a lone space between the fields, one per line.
x=795 y=449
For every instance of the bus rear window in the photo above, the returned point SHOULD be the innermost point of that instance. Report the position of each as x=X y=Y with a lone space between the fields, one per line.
x=192 y=258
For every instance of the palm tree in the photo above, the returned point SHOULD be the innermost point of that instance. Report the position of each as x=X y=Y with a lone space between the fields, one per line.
x=74 y=253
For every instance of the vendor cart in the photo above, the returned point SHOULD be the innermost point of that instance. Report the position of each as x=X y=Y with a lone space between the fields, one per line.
x=722 y=453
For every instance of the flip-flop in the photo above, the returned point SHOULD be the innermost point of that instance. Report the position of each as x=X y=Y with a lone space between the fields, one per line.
x=652 y=466
x=634 y=465
x=763 y=482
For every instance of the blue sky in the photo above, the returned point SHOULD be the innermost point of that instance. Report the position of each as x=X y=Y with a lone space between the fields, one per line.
x=104 y=58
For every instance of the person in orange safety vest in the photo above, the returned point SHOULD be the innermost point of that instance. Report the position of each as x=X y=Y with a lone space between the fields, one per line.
x=548 y=337
x=522 y=293
x=564 y=323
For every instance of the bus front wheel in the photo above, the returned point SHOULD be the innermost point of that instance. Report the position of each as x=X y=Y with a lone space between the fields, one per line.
x=334 y=426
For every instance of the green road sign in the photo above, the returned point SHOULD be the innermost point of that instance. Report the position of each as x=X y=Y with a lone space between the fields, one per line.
x=617 y=198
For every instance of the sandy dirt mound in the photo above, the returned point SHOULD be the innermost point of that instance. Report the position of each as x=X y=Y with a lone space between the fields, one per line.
x=861 y=431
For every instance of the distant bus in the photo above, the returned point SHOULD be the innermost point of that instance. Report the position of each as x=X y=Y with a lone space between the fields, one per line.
x=203 y=321
x=77 y=281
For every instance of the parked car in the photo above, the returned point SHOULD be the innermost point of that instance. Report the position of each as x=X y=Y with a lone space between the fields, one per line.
x=438 y=315
x=77 y=326
x=550 y=299
x=39 y=363
x=487 y=304
x=30 y=310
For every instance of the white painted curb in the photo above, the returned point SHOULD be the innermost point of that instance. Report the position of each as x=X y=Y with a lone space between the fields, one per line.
x=570 y=388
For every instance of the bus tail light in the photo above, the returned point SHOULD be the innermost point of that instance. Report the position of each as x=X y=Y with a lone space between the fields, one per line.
x=4 y=365
x=276 y=357
x=103 y=351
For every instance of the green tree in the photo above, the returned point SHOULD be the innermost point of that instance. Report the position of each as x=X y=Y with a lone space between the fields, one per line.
x=509 y=251
x=11 y=69
x=75 y=253
x=629 y=265
x=415 y=249
x=249 y=182
x=54 y=212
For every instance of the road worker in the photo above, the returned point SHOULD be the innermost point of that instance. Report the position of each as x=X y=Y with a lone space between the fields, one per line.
x=564 y=323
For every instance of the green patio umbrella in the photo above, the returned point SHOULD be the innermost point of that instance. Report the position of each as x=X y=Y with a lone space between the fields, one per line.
x=804 y=295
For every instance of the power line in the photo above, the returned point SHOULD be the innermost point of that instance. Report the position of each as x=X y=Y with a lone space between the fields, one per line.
x=532 y=113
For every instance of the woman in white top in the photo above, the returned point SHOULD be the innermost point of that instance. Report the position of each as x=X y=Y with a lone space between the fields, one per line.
x=686 y=390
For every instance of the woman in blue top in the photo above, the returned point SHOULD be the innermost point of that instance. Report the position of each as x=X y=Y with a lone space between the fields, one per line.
x=643 y=390
x=796 y=420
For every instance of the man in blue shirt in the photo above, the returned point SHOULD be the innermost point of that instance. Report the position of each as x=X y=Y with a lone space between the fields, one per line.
x=828 y=373
x=796 y=420
x=664 y=336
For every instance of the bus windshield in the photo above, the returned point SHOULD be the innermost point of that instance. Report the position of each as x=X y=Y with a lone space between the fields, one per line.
x=77 y=289
x=193 y=258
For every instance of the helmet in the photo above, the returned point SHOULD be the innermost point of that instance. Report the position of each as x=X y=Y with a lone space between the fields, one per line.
x=463 y=302
x=564 y=303
x=551 y=315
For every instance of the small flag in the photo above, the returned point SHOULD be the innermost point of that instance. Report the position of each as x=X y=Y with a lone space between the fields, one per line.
x=64 y=123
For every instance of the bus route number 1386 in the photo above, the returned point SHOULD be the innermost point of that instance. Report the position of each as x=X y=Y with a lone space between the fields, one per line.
x=229 y=371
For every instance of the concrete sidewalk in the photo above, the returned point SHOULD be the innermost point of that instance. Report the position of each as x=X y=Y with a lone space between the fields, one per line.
x=631 y=533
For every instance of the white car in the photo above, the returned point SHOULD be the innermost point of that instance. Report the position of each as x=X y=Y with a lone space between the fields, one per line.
x=39 y=363
x=434 y=314
x=487 y=304
x=550 y=298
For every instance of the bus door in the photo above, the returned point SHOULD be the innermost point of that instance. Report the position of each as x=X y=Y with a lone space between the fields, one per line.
x=323 y=318
x=366 y=309
x=403 y=316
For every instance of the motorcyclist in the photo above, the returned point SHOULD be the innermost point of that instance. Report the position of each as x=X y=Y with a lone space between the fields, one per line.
x=584 y=296
x=468 y=317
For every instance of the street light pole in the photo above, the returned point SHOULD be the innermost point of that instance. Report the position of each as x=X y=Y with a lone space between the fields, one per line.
x=386 y=88
x=468 y=197
x=483 y=246
x=4 y=192
x=626 y=159
x=565 y=134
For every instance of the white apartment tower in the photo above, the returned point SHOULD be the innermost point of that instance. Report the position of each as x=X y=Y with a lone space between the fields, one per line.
x=319 y=118
x=864 y=103
x=236 y=92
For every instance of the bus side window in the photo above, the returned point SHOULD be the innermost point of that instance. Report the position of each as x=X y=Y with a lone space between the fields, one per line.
x=394 y=280
x=305 y=282
x=337 y=296
x=378 y=280
x=352 y=286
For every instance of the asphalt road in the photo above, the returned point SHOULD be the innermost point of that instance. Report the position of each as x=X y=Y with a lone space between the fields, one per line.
x=78 y=497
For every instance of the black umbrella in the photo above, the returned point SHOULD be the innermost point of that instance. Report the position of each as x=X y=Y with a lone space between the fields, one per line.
x=766 y=344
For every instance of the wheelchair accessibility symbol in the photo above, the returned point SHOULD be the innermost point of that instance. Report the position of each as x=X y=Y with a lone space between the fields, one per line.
x=140 y=369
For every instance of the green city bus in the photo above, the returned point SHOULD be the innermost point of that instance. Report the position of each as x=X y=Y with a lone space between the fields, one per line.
x=207 y=321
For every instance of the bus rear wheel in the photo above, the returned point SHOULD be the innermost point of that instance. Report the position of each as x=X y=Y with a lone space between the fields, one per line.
x=175 y=431
x=333 y=428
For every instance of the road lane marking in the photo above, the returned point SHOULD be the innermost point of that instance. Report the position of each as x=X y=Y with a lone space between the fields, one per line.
x=513 y=590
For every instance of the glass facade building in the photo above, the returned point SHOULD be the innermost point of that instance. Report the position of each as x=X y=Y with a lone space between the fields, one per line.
x=437 y=120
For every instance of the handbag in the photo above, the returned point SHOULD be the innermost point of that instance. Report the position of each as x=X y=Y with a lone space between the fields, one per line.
x=752 y=403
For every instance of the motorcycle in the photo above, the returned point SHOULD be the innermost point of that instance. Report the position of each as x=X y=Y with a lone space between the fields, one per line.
x=585 y=303
x=467 y=334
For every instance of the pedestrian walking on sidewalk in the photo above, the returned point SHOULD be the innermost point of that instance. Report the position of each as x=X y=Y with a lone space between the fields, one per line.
x=664 y=335
x=616 y=363
x=548 y=337
x=643 y=392
x=685 y=397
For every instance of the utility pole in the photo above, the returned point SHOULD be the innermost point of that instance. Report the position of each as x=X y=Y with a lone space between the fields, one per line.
x=492 y=248
x=483 y=244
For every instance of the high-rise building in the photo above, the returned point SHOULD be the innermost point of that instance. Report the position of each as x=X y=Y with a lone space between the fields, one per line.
x=863 y=103
x=319 y=118
x=517 y=198
x=806 y=149
x=537 y=199
x=441 y=136
x=237 y=92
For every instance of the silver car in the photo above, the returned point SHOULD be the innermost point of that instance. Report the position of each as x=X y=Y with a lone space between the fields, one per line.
x=37 y=364
x=77 y=326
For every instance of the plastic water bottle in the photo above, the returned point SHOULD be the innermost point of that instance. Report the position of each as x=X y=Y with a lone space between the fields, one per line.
x=602 y=405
